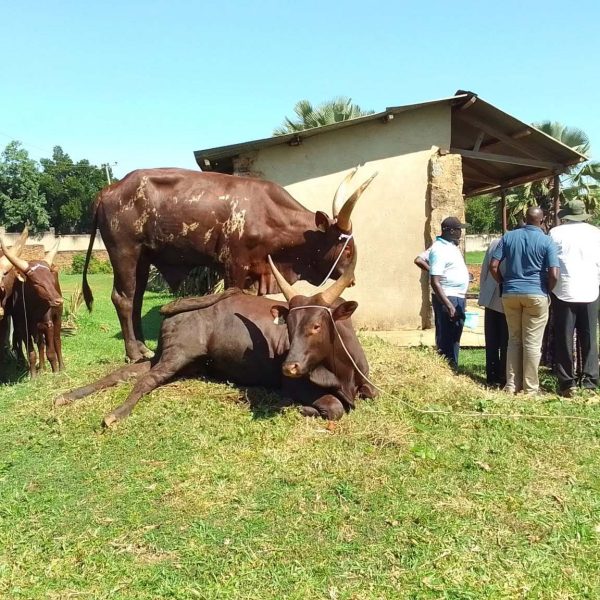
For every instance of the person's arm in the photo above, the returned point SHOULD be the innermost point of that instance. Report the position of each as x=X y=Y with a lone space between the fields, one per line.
x=495 y=270
x=436 y=286
x=553 y=265
x=422 y=263
x=496 y=259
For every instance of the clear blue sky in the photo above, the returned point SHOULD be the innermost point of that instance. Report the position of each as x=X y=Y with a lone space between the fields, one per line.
x=144 y=84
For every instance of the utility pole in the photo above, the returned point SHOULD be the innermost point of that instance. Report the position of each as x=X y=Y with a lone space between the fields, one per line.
x=106 y=165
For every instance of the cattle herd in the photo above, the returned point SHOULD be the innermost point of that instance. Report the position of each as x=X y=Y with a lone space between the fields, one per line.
x=262 y=241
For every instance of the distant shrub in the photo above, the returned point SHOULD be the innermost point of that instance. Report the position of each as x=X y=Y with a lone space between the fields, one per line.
x=200 y=281
x=95 y=266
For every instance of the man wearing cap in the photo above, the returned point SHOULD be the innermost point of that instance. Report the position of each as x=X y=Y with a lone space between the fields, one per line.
x=531 y=271
x=449 y=281
x=575 y=297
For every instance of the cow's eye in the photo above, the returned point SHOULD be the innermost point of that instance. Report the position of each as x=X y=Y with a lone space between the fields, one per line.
x=316 y=327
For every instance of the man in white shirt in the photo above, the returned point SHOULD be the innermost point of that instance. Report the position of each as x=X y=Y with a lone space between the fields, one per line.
x=449 y=278
x=575 y=298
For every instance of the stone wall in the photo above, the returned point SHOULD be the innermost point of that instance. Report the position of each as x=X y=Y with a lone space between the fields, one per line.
x=444 y=193
x=62 y=260
x=480 y=242
x=70 y=245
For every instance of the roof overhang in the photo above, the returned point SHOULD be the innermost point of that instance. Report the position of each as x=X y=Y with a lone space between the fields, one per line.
x=498 y=151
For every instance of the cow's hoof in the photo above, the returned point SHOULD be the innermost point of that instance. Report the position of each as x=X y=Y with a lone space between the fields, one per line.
x=148 y=354
x=62 y=401
x=136 y=359
x=109 y=421
x=309 y=411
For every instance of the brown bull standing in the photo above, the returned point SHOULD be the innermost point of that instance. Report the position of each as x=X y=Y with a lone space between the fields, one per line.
x=241 y=338
x=177 y=219
x=35 y=305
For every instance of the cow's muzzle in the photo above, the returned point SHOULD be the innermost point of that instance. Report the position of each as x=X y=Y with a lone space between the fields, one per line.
x=291 y=369
x=57 y=302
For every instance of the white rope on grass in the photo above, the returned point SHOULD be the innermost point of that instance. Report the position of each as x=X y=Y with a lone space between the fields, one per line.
x=448 y=412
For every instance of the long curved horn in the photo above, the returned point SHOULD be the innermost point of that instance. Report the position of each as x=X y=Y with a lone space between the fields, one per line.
x=285 y=287
x=20 y=243
x=49 y=257
x=21 y=264
x=343 y=219
x=340 y=194
x=17 y=248
x=336 y=289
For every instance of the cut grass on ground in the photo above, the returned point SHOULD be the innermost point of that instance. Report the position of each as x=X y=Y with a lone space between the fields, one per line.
x=198 y=495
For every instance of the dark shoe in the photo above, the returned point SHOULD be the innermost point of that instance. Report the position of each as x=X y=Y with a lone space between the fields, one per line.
x=567 y=392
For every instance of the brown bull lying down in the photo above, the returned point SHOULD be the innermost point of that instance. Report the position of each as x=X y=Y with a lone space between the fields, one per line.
x=177 y=219
x=238 y=337
x=33 y=299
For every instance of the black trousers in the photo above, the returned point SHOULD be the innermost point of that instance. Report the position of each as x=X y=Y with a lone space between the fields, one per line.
x=447 y=330
x=496 y=342
x=580 y=317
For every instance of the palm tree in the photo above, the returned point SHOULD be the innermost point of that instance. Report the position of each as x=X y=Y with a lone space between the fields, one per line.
x=309 y=116
x=582 y=180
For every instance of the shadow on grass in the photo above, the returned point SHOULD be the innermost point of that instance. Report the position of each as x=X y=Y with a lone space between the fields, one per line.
x=472 y=364
x=264 y=403
x=151 y=323
x=12 y=370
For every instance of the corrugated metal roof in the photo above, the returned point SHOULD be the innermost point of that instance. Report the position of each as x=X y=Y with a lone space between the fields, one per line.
x=498 y=149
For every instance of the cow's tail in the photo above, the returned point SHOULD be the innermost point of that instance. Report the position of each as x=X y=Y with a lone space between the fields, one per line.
x=87 y=291
x=196 y=302
x=118 y=376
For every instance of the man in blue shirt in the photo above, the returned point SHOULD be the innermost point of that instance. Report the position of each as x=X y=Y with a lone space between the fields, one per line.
x=449 y=281
x=531 y=272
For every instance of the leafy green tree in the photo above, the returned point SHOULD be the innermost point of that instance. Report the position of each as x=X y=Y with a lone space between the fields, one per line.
x=482 y=213
x=70 y=189
x=309 y=116
x=21 y=200
x=581 y=180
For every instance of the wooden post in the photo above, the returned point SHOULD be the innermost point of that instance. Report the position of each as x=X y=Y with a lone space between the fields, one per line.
x=556 y=193
x=504 y=212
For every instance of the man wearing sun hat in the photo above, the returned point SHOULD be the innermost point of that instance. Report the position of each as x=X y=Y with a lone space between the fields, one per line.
x=575 y=297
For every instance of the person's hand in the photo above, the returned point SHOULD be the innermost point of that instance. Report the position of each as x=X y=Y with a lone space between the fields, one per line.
x=451 y=310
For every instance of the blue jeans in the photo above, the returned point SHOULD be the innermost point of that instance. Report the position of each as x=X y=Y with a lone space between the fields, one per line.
x=447 y=330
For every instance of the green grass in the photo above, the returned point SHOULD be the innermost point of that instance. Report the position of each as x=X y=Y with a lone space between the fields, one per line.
x=199 y=496
x=474 y=257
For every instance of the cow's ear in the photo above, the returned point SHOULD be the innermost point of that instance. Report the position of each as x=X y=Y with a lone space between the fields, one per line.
x=54 y=268
x=344 y=310
x=321 y=221
x=280 y=314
